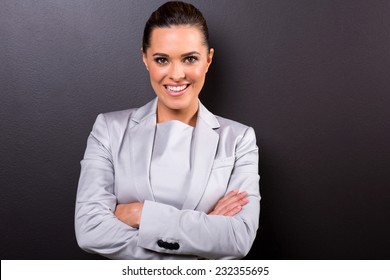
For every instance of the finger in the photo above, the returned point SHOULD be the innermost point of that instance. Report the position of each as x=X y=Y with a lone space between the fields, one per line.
x=231 y=200
x=234 y=205
x=225 y=198
x=233 y=211
x=226 y=206
x=118 y=209
x=236 y=209
x=229 y=195
x=224 y=211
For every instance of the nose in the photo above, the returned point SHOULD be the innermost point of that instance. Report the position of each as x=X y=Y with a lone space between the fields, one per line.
x=177 y=72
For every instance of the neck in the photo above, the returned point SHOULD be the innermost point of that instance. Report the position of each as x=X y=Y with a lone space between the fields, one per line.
x=186 y=116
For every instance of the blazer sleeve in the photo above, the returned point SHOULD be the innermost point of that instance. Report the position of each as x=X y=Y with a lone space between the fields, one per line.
x=165 y=229
x=97 y=228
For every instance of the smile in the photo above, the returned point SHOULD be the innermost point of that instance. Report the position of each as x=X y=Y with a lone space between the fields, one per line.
x=176 y=90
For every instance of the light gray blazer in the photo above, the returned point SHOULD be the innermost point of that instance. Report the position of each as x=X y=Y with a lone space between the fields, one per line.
x=115 y=169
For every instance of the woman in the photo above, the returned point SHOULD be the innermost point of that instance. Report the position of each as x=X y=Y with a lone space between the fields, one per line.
x=170 y=180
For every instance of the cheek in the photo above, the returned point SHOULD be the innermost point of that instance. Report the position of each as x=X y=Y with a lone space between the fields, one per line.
x=156 y=74
x=198 y=73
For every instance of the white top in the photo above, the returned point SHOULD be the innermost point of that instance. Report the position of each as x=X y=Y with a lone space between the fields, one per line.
x=171 y=159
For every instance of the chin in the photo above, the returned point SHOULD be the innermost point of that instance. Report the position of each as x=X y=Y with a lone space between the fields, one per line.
x=177 y=103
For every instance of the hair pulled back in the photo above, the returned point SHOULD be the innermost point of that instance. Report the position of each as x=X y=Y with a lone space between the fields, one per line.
x=175 y=13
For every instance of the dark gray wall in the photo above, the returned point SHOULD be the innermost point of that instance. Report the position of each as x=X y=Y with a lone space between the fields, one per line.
x=312 y=78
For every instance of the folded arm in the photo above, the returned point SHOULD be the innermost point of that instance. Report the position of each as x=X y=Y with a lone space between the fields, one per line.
x=214 y=235
x=209 y=236
x=97 y=228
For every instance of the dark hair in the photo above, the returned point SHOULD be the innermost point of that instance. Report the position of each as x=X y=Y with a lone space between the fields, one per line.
x=172 y=14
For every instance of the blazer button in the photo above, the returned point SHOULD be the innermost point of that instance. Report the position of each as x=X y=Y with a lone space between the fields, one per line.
x=161 y=244
x=175 y=246
x=167 y=245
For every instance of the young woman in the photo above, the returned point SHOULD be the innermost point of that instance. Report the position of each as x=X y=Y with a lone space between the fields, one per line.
x=170 y=180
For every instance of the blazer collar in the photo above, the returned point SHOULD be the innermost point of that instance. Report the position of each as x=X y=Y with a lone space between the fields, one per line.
x=146 y=111
x=150 y=109
x=203 y=150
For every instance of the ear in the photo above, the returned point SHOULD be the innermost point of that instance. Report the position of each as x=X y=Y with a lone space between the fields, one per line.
x=209 y=58
x=144 y=59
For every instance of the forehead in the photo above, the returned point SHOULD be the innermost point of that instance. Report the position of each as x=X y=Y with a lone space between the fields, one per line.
x=174 y=39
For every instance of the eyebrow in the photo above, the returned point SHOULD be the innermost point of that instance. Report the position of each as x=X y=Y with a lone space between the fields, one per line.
x=183 y=55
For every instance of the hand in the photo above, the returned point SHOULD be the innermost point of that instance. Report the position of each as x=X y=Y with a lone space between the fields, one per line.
x=230 y=204
x=130 y=213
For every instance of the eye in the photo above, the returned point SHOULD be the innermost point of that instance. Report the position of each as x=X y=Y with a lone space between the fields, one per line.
x=161 y=60
x=190 y=59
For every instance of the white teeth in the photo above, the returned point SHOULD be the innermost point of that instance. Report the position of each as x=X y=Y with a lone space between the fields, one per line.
x=176 y=89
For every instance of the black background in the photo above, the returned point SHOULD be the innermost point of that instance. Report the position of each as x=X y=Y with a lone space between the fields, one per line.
x=311 y=77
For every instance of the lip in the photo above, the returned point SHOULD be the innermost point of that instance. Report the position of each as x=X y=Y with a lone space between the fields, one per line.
x=176 y=93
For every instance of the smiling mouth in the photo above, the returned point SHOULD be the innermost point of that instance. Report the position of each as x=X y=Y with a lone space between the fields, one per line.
x=176 y=90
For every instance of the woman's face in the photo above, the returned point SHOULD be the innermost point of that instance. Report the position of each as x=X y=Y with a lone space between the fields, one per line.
x=177 y=61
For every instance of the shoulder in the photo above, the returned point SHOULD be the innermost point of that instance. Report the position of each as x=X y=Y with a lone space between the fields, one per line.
x=110 y=125
x=119 y=117
x=114 y=124
x=240 y=136
x=135 y=115
x=224 y=122
x=116 y=119
x=231 y=126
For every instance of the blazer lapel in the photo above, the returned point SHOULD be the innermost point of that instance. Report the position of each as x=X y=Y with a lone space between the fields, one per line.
x=142 y=132
x=204 y=147
x=203 y=150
